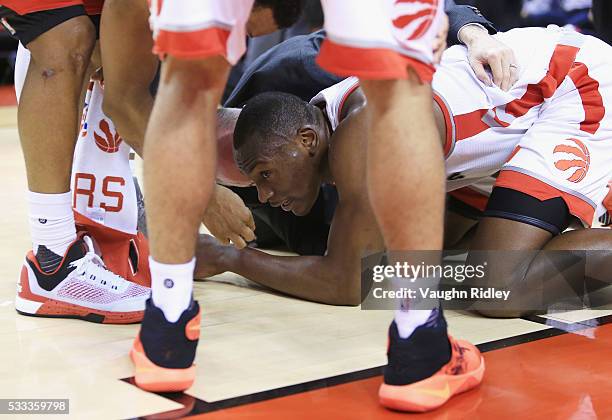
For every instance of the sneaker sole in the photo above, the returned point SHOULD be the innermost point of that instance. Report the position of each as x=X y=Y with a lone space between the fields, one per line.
x=430 y=393
x=153 y=378
x=56 y=309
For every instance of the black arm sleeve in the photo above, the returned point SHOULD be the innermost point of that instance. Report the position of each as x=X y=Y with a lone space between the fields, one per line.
x=459 y=16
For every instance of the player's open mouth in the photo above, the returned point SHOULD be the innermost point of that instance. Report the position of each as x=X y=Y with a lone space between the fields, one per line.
x=286 y=205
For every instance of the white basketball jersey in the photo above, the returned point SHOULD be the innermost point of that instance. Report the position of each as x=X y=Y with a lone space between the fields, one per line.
x=485 y=124
x=102 y=182
x=332 y=99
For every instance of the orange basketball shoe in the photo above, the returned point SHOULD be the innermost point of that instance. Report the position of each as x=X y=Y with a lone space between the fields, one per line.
x=80 y=287
x=461 y=373
x=163 y=351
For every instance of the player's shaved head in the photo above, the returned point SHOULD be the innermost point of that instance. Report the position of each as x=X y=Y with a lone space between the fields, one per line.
x=281 y=143
x=268 y=122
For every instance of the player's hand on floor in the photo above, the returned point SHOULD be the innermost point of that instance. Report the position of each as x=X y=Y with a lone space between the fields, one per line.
x=440 y=41
x=228 y=219
x=209 y=257
x=486 y=51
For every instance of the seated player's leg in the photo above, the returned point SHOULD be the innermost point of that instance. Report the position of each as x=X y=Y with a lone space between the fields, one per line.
x=125 y=38
x=559 y=172
x=60 y=42
x=496 y=233
x=464 y=208
x=388 y=44
x=179 y=175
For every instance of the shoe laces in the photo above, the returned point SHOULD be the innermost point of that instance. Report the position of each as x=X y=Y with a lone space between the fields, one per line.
x=92 y=268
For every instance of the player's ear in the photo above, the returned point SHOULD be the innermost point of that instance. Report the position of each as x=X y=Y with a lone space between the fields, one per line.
x=309 y=139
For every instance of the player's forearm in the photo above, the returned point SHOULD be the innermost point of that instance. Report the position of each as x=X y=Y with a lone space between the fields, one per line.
x=312 y=278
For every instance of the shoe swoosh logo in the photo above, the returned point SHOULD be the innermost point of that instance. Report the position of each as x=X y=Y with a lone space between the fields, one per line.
x=442 y=393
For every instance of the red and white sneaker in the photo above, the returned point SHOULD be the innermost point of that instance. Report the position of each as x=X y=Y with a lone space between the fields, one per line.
x=81 y=287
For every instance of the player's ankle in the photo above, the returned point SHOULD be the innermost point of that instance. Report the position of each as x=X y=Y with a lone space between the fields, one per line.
x=52 y=226
x=172 y=287
x=419 y=356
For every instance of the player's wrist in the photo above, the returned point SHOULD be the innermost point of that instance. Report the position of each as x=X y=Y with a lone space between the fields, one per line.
x=470 y=32
x=229 y=258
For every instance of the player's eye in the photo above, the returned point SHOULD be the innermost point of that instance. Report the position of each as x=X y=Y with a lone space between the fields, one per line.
x=265 y=174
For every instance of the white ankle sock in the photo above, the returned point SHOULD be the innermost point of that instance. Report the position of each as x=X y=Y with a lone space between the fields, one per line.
x=171 y=287
x=51 y=221
x=409 y=320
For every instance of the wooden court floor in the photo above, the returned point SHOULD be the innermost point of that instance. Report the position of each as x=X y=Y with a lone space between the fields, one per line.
x=264 y=356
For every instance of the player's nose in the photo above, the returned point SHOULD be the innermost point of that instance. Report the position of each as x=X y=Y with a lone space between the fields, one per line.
x=264 y=194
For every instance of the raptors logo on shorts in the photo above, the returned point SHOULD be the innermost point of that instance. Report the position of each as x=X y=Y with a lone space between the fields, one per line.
x=573 y=158
x=107 y=142
x=411 y=19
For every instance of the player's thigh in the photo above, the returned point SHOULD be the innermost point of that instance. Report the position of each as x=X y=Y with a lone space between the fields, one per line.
x=125 y=39
x=58 y=37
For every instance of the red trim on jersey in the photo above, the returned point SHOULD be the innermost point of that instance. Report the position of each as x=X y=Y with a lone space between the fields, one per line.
x=470 y=124
x=448 y=139
x=195 y=44
x=23 y=7
x=592 y=102
x=371 y=63
x=345 y=97
x=561 y=61
x=542 y=191
x=93 y=7
x=514 y=152
x=471 y=197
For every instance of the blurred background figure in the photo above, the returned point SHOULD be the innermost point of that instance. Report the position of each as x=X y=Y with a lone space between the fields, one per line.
x=508 y=14
x=559 y=12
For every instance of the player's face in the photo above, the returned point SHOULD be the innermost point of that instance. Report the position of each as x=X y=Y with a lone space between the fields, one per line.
x=289 y=180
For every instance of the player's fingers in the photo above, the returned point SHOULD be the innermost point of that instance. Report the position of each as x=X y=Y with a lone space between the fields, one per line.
x=247 y=234
x=251 y=222
x=506 y=73
x=238 y=241
x=514 y=68
x=480 y=72
x=497 y=70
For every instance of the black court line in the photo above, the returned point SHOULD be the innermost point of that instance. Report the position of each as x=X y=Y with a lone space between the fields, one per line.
x=194 y=406
x=571 y=327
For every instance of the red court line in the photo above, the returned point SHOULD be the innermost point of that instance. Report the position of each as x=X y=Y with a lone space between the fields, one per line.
x=7 y=95
x=562 y=377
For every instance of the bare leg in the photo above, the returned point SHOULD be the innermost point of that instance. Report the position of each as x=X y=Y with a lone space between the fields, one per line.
x=48 y=125
x=405 y=164
x=534 y=276
x=180 y=153
x=125 y=38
